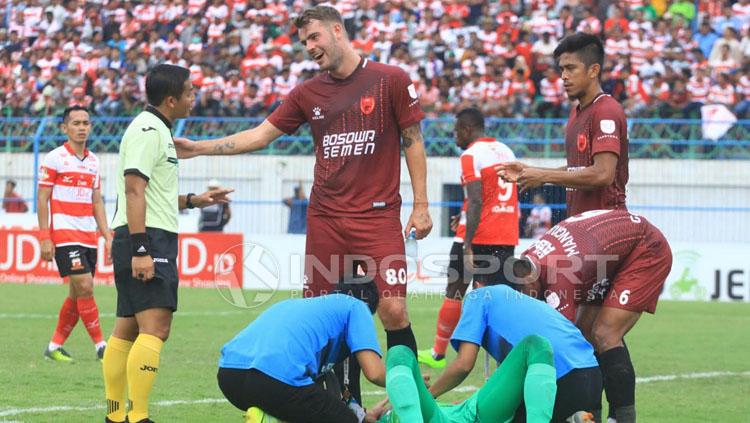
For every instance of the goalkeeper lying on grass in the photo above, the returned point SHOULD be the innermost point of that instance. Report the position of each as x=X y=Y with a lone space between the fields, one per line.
x=526 y=375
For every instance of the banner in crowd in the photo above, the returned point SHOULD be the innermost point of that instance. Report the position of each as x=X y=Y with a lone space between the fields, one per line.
x=717 y=120
x=204 y=259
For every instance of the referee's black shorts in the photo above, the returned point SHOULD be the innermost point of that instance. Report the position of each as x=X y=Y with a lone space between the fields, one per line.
x=134 y=295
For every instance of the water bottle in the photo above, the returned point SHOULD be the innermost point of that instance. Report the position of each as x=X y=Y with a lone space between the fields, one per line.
x=410 y=249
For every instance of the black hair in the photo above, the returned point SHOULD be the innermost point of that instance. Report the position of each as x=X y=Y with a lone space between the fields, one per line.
x=165 y=81
x=588 y=47
x=472 y=118
x=11 y=182
x=362 y=288
x=68 y=110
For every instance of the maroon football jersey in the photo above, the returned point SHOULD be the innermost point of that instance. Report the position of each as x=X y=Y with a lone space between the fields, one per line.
x=568 y=257
x=356 y=126
x=599 y=127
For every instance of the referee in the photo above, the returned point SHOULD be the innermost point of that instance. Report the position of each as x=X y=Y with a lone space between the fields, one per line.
x=144 y=248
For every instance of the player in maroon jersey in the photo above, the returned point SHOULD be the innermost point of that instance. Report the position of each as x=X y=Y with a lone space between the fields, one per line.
x=601 y=269
x=596 y=136
x=361 y=114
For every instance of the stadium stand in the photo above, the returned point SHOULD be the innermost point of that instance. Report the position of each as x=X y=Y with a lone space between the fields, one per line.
x=244 y=59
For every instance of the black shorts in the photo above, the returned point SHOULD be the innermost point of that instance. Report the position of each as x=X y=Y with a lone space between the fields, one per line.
x=134 y=295
x=75 y=260
x=309 y=403
x=488 y=262
x=579 y=390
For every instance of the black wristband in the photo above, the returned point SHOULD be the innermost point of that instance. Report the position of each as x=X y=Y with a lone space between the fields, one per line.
x=189 y=204
x=139 y=245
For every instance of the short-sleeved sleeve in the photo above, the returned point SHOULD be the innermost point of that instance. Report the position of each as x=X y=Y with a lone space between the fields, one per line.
x=289 y=115
x=470 y=172
x=141 y=154
x=405 y=101
x=361 y=330
x=607 y=129
x=48 y=170
x=473 y=322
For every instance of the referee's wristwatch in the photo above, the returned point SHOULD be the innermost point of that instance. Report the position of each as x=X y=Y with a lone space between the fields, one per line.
x=188 y=201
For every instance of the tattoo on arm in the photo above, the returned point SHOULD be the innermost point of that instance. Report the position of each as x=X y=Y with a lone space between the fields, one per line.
x=411 y=135
x=224 y=148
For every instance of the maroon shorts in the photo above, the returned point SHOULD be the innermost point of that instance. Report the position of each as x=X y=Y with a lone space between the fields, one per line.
x=348 y=246
x=640 y=278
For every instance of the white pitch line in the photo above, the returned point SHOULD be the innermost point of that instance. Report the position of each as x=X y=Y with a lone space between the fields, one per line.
x=177 y=314
x=166 y=403
x=8 y=412
x=647 y=379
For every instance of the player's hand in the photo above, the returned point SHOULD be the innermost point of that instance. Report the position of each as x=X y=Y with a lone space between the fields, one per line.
x=468 y=261
x=143 y=268
x=376 y=411
x=48 y=250
x=426 y=380
x=509 y=172
x=108 y=248
x=214 y=196
x=420 y=220
x=185 y=148
x=455 y=219
x=530 y=178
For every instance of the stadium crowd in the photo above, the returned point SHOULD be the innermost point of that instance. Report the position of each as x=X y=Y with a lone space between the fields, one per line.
x=664 y=58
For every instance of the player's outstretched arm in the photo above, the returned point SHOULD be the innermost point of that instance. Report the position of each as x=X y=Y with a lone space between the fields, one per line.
x=372 y=366
x=413 y=145
x=242 y=142
x=213 y=196
x=457 y=370
x=598 y=175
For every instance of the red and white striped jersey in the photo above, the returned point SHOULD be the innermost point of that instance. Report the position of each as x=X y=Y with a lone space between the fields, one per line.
x=497 y=90
x=698 y=89
x=145 y=14
x=552 y=91
x=195 y=6
x=719 y=95
x=498 y=224
x=614 y=48
x=73 y=182
x=216 y=30
x=743 y=88
x=234 y=92
x=474 y=91
x=638 y=51
x=221 y=12
x=742 y=11
x=723 y=66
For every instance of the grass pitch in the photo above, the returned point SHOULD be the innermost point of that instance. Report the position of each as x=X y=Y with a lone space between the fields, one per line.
x=692 y=359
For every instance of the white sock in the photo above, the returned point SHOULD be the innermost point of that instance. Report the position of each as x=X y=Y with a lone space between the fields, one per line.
x=100 y=344
x=52 y=346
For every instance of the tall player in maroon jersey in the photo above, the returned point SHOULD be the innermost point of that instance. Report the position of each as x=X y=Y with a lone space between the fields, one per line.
x=361 y=114
x=601 y=269
x=596 y=136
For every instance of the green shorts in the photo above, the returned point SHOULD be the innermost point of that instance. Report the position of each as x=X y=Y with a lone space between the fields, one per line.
x=134 y=295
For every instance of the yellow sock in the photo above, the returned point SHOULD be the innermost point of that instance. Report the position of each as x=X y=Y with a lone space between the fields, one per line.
x=115 y=380
x=143 y=364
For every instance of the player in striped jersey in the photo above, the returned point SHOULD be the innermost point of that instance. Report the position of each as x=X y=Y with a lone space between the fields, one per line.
x=70 y=209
